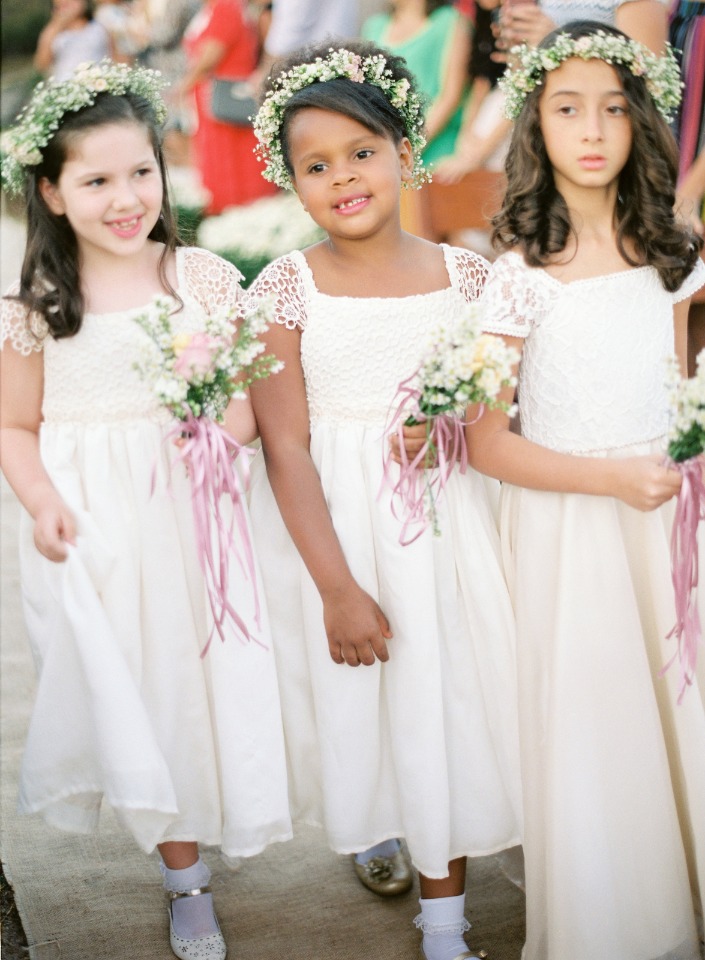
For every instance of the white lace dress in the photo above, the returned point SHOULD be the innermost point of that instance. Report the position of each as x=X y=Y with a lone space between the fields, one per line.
x=613 y=770
x=182 y=748
x=424 y=746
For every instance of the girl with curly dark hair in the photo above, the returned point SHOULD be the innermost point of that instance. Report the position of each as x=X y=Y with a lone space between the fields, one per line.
x=593 y=288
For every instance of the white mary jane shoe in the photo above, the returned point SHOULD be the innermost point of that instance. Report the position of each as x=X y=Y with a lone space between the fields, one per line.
x=211 y=947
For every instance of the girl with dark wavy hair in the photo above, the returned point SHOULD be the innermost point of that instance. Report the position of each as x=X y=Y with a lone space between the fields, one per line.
x=593 y=288
x=127 y=710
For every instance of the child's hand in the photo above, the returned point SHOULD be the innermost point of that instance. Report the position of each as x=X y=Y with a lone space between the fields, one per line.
x=414 y=439
x=54 y=527
x=645 y=483
x=356 y=627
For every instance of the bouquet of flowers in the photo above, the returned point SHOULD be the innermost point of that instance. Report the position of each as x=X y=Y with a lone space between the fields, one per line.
x=194 y=375
x=462 y=366
x=685 y=452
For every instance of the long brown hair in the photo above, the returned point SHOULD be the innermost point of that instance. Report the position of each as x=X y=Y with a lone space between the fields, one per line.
x=535 y=217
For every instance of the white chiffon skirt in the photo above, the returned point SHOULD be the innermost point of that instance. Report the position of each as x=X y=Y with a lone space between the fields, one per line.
x=613 y=769
x=425 y=745
x=183 y=747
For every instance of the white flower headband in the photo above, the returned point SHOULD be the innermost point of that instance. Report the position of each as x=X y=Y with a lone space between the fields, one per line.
x=22 y=145
x=348 y=65
x=528 y=65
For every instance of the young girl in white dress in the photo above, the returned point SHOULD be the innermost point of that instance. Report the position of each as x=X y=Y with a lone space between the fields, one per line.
x=127 y=710
x=594 y=286
x=395 y=663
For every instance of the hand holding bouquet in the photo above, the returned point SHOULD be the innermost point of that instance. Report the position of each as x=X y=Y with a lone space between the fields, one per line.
x=685 y=453
x=194 y=375
x=462 y=366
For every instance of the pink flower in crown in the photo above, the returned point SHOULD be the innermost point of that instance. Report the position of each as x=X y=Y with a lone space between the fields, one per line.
x=198 y=357
x=353 y=68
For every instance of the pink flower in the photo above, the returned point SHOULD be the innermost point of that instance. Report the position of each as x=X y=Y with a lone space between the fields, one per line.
x=198 y=358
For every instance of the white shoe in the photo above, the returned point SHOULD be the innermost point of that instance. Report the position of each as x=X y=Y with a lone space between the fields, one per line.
x=211 y=947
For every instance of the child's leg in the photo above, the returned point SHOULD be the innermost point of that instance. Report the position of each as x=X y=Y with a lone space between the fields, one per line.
x=442 y=917
x=192 y=918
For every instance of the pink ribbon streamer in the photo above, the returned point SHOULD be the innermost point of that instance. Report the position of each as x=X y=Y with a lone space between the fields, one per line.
x=690 y=509
x=419 y=489
x=208 y=452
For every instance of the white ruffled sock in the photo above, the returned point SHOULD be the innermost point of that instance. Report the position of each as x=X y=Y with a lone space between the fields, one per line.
x=193 y=917
x=387 y=848
x=443 y=923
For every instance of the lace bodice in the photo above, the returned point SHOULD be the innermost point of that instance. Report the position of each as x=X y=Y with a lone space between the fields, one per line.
x=356 y=351
x=91 y=377
x=593 y=369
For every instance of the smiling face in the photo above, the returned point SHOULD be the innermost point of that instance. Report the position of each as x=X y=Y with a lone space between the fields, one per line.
x=346 y=176
x=585 y=125
x=110 y=190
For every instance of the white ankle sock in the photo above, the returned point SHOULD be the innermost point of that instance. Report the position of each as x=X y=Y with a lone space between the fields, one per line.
x=387 y=848
x=193 y=917
x=443 y=924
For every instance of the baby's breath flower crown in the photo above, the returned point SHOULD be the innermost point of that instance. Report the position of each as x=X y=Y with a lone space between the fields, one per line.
x=528 y=65
x=22 y=146
x=344 y=64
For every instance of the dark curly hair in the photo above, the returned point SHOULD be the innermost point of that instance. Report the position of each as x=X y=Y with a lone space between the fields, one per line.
x=363 y=102
x=50 y=280
x=535 y=217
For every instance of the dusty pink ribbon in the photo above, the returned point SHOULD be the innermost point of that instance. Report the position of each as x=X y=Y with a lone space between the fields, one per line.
x=690 y=509
x=419 y=489
x=209 y=453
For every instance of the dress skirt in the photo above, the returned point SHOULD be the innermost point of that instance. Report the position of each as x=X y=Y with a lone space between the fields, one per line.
x=423 y=746
x=613 y=769
x=183 y=746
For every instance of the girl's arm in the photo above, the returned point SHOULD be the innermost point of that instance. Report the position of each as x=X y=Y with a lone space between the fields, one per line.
x=240 y=419
x=455 y=80
x=642 y=482
x=357 y=629
x=21 y=389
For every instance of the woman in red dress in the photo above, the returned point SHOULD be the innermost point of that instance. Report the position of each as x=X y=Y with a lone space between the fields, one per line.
x=222 y=44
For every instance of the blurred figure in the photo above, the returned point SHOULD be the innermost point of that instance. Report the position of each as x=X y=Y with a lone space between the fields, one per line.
x=434 y=39
x=297 y=22
x=115 y=16
x=529 y=22
x=222 y=43
x=71 y=37
x=687 y=35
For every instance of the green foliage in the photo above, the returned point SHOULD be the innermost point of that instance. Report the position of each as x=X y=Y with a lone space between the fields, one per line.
x=22 y=21
x=688 y=444
x=250 y=266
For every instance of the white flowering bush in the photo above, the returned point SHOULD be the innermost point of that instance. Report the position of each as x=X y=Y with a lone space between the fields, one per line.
x=194 y=374
x=686 y=438
x=254 y=235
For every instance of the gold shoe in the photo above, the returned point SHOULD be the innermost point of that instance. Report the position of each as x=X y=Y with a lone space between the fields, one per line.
x=385 y=876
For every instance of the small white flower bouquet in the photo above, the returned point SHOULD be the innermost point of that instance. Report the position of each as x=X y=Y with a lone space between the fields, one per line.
x=194 y=375
x=462 y=366
x=686 y=444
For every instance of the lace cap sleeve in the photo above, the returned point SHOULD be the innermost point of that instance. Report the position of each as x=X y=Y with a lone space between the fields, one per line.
x=514 y=298
x=25 y=331
x=692 y=283
x=281 y=282
x=468 y=271
x=213 y=282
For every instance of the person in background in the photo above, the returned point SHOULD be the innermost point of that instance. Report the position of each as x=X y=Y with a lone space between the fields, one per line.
x=116 y=17
x=221 y=43
x=72 y=36
x=434 y=39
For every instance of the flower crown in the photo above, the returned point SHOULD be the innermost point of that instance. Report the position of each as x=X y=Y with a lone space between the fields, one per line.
x=22 y=146
x=350 y=66
x=661 y=74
